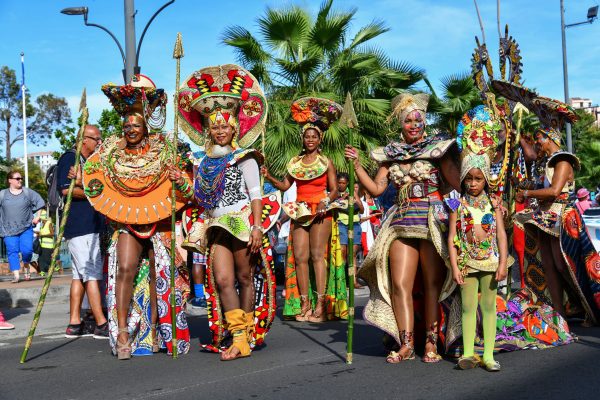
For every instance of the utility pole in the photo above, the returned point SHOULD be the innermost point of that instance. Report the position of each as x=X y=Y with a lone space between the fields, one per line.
x=565 y=72
x=130 y=52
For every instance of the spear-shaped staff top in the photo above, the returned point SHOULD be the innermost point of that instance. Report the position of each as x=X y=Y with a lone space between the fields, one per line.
x=348 y=117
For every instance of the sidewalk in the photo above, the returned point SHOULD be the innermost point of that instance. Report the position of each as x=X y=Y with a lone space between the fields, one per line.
x=26 y=294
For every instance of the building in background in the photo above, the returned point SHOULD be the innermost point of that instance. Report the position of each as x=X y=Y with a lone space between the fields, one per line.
x=42 y=158
x=586 y=104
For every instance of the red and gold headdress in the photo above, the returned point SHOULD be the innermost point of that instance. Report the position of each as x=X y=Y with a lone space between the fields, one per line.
x=316 y=113
x=225 y=93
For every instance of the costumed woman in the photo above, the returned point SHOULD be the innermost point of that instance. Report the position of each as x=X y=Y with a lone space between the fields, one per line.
x=223 y=109
x=414 y=234
x=568 y=259
x=128 y=179
x=314 y=237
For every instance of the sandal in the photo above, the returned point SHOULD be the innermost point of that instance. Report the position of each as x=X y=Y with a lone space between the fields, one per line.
x=321 y=315
x=124 y=349
x=305 y=310
x=237 y=325
x=406 y=342
x=432 y=357
x=155 y=344
x=491 y=365
x=27 y=276
x=468 y=362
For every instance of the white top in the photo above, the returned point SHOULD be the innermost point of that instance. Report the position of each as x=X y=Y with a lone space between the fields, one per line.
x=288 y=196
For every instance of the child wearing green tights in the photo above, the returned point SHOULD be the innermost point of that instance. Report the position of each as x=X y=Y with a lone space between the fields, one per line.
x=478 y=253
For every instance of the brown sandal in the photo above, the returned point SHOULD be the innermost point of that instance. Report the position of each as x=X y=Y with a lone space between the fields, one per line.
x=124 y=349
x=432 y=357
x=321 y=314
x=406 y=342
x=305 y=310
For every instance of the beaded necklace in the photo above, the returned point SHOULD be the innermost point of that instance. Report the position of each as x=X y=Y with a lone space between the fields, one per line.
x=209 y=189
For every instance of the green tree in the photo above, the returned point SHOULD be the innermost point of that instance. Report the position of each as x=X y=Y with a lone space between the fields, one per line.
x=45 y=116
x=586 y=145
x=297 y=55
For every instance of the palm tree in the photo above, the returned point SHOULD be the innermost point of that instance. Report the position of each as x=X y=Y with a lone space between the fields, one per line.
x=459 y=95
x=298 y=55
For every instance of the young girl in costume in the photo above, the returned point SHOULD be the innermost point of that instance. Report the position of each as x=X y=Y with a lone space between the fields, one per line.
x=477 y=240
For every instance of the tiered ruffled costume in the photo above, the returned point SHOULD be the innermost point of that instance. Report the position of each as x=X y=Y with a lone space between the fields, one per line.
x=126 y=199
x=311 y=183
x=561 y=219
x=418 y=214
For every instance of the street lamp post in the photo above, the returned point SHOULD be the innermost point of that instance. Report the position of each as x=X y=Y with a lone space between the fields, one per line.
x=130 y=56
x=592 y=14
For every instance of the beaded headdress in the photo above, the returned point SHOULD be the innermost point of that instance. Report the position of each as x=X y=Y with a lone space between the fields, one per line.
x=139 y=97
x=477 y=139
x=405 y=103
x=226 y=93
x=316 y=113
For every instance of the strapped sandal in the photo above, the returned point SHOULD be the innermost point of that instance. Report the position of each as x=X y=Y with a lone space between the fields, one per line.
x=406 y=342
x=155 y=342
x=124 y=349
x=491 y=365
x=322 y=315
x=468 y=362
x=305 y=310
x=432 y=357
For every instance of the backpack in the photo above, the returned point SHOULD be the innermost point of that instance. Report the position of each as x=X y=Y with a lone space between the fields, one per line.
x=55 y=197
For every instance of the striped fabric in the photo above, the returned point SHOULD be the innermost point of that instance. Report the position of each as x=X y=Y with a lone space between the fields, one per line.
x=415 y=214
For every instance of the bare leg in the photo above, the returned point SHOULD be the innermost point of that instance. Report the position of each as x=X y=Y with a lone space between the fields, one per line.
x=404 y=260
x=319 y=240
x=75 y=299
x=301 y=243
x=223 y=269
x=553 y=278
x=129 y=249
x=92 y=288
x=434 y=273
x=244 y=274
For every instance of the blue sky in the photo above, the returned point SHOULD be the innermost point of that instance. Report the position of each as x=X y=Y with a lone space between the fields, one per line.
x=62 y=56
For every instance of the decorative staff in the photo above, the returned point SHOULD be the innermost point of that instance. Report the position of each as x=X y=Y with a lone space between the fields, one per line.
x=61 y=231
x=348 y=119
x=177 y=55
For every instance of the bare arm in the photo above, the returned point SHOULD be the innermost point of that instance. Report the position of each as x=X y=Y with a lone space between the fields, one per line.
x=528 y=151
x=332 y=181
x=450 y=171
x=358 y=201
x=374 y=187
x=452 y=251
x=562 y=171
x=282 y=185
x=502 y=246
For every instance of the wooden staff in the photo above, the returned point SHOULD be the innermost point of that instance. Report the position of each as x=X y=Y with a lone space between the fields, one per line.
x=177 y=55
x=348 y=119
x=61 y=231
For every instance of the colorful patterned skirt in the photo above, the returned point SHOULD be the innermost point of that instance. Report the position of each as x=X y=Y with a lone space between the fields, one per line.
x=139 y=321
x=522 y=323
x=583 y=261
x=264 y=286
x=335 y=293
x=427 y=223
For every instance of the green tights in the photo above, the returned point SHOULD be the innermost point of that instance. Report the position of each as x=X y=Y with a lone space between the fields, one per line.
x=487 y=283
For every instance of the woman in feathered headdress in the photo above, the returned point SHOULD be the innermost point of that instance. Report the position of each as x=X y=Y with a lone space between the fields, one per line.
x=414 y=234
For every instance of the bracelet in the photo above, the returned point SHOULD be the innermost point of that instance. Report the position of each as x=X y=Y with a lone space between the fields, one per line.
x=326 y=200
x=258 y=228
x=526 y=194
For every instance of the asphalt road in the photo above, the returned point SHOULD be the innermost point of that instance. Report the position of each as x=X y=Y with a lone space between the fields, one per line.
x=301 y=361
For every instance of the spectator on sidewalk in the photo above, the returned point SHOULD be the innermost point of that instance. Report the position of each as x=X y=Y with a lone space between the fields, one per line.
x=82 y=232
x=5 y=325
x=18 y=205
x=46 y=238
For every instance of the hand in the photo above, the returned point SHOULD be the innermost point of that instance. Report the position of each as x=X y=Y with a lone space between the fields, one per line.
x=175 y=175
x=321 y=209
x=75 y=175
x=265 y=172
x=457 y=276
x=501 y=273
x=352 y=154
x=255 y=242
x=35 y=220
x=520 y=196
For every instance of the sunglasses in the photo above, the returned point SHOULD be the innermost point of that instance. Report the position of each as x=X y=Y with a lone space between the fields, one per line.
x=17 y=179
